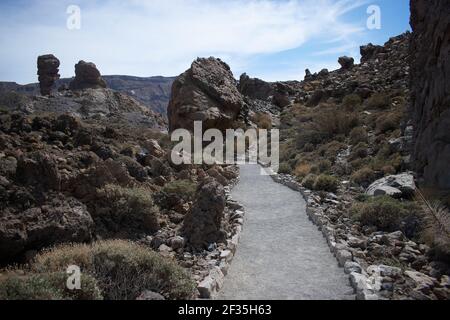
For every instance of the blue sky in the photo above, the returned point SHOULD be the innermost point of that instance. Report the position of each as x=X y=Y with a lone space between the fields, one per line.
x=269 y=39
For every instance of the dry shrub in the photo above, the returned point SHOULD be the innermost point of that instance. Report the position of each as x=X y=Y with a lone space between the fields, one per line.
x=332 y=121
x=263 y=120
x=358 y=135
x=46 y=286
x=360 y=151
x=122 y=269
x=378 y=101
x=351 y=102
x=328 y=123
x=302 y=170
x=388 y=122
x=437 y=229
x=364 y=176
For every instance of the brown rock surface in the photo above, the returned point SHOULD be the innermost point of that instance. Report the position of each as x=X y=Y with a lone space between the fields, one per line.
x=87 y=76
x=48 y=68
x=206 y=92
x=202 y=225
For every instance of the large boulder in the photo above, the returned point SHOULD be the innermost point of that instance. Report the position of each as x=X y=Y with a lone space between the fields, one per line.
x=202 y=225
x=48 y=68
x=346 y=62
x=57 y=221
x=87 y=76
x=401 y=185
x=206 y=92
x=430 y=91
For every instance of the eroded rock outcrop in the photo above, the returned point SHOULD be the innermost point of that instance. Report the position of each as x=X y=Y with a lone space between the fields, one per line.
x=87 y=76
x=48 y=72
x=206 y=92
x=202 y=225
x=430 y=77
x=346 y=62
x=255 y=88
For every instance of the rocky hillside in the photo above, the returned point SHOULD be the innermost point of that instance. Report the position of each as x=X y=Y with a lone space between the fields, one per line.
x=347 y=142
x=152 y=92
x=85 y=166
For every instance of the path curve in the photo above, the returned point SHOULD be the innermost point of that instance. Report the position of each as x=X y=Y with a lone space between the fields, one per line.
x=281 y=255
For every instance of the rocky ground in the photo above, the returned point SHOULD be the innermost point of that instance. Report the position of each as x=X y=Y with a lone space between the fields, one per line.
x=89 y=165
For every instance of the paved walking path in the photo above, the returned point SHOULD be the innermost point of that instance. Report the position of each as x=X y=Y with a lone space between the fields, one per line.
x=281 y=254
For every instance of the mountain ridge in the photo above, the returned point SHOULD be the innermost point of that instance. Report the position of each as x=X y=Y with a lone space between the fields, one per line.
x=153 y=92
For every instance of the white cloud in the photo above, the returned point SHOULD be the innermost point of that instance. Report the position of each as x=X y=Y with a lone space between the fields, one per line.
x=150 y=37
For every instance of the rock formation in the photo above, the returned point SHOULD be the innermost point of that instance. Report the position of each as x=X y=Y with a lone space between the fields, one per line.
x=281 y=96
x=48 y=68
x=430 y=77
x=206 y=92
x=87 y=76
x=369 y=51
x=255 y=88
x=346 y=62
x=202 y=225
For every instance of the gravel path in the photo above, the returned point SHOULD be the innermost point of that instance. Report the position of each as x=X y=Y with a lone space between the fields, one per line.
x=281 y=254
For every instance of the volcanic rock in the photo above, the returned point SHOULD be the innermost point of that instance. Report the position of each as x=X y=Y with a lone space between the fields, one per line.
x=87 y=76
x=48 y=68
x=430 y=90
x=202 y=225
x=207 y=92
x=346 y=62
x=255 y=88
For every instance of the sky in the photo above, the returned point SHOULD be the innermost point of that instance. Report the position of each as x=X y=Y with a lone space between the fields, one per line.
x=273 y=40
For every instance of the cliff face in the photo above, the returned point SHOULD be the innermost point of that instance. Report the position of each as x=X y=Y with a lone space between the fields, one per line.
x=430 y=88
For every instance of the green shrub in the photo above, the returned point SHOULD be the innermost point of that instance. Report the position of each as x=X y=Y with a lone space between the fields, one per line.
x=387 y=214
x=358 y=135
x=123 y=269
x=184 y=188
x=309 y=181
x=379 y=101
x=363 y=176
x=47 y=286
x=118 y=208
x=285 y=168
x=326 y=183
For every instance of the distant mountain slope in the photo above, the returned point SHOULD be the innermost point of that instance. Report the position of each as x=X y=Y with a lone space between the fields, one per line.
x=153 y=92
